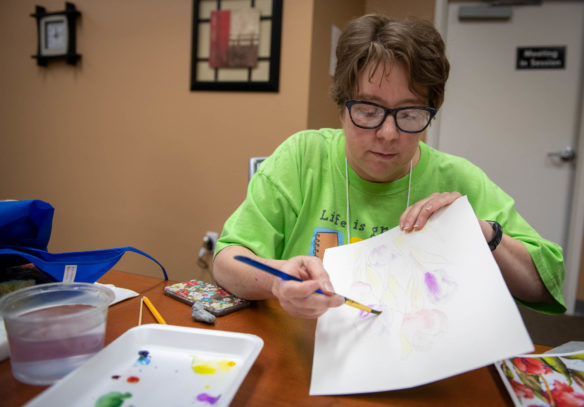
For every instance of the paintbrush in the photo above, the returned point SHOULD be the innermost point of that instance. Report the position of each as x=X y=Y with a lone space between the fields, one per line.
x=286 y=276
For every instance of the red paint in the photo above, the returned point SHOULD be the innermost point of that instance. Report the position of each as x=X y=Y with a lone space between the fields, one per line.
x=133 y=379
x=219 y=47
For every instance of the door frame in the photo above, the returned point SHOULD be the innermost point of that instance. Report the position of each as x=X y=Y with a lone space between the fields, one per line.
x=572 y=253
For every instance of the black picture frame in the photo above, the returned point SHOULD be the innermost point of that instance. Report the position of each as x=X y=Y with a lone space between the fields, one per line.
x=264 y=79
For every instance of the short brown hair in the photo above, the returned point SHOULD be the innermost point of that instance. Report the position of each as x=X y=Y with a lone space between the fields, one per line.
x=373 y=40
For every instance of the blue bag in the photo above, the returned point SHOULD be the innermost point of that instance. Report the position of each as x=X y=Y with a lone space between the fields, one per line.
x=26 y=223
x=25 y=229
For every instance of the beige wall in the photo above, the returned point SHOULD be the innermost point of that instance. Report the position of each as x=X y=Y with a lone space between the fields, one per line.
x=399 y=9
x=119 y=145
x=322 y=112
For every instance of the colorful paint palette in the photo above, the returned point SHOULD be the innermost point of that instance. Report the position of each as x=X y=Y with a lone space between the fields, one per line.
x=160 y=365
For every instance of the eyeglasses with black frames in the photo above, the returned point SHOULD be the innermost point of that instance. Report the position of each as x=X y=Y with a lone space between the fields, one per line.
x=369 y=115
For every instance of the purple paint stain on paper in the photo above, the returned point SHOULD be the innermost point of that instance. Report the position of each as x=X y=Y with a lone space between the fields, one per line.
x=378 y=256
x=208 y=398
x=440 y=287
x=365 y=314
x=432 y=285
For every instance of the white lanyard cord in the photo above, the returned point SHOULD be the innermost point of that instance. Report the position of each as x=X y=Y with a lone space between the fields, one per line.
x=347 y=194
x=409 y=185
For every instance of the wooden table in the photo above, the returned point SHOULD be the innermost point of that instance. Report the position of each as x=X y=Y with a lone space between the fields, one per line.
x=281 y=374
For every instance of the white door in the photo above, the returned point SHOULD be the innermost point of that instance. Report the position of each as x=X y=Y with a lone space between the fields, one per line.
x=507 y=120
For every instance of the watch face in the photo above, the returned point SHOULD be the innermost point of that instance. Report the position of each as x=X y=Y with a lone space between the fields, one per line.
x=56 y=33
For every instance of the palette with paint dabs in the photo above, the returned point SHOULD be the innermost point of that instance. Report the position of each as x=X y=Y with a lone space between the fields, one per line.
x=160 y=365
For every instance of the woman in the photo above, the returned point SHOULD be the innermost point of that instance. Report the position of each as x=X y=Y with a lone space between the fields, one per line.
x=327 y=187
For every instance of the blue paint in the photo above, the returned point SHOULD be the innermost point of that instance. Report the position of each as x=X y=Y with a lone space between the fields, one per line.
x=144 y=358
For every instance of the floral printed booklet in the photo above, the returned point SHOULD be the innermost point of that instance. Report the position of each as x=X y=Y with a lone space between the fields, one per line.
x=214 y=299
x=544 y=380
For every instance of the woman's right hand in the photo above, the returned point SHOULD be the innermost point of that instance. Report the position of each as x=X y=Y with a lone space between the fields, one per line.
x=300 y=299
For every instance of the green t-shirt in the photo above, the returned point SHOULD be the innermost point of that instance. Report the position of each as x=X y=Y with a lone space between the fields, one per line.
x=298 y=197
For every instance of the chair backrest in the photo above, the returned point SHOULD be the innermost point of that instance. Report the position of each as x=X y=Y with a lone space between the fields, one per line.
x=254 y=164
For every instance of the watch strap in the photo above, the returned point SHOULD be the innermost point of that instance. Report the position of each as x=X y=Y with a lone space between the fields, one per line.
x=498 y=229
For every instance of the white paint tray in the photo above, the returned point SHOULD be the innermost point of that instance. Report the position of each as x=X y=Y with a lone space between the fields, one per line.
x=159 y=365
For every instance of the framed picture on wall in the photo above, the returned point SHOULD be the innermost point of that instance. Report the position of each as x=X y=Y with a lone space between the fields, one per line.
x=236 y=45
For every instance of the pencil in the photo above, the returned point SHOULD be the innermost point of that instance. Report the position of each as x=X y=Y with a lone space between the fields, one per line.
x=286 y=276
x=140 y=313
x=154 y=311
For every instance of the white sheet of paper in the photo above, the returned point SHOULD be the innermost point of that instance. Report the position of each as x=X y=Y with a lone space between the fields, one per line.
x=120 y=294
x=446 y=308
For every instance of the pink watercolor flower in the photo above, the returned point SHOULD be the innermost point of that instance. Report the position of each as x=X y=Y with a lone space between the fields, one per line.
x=422 y=328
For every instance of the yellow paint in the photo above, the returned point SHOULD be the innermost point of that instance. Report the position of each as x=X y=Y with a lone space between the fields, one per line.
x=406 y=346
x=391 y=293
x=226 y=365
x=373 y=277
x=417 y=298
x=210 y=367
x=355 y=239
x=400 y=240
x=204 y=369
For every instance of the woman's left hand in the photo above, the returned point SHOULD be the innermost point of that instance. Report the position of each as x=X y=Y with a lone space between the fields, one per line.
x=416 y=216
x=512 y=257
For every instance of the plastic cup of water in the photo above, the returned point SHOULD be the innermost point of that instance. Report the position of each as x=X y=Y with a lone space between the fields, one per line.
x=53 y=328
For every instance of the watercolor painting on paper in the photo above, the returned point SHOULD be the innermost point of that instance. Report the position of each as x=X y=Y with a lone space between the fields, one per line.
x=442 y=299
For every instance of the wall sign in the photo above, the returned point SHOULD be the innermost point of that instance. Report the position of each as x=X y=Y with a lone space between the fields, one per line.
x=541 y=58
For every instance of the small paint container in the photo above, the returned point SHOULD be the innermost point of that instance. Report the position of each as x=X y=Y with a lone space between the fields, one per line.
x=53 y=328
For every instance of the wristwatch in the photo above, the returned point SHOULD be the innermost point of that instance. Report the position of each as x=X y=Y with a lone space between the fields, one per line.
x=498 y=234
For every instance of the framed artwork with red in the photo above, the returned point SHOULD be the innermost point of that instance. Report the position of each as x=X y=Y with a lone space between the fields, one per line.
x=236 y=45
